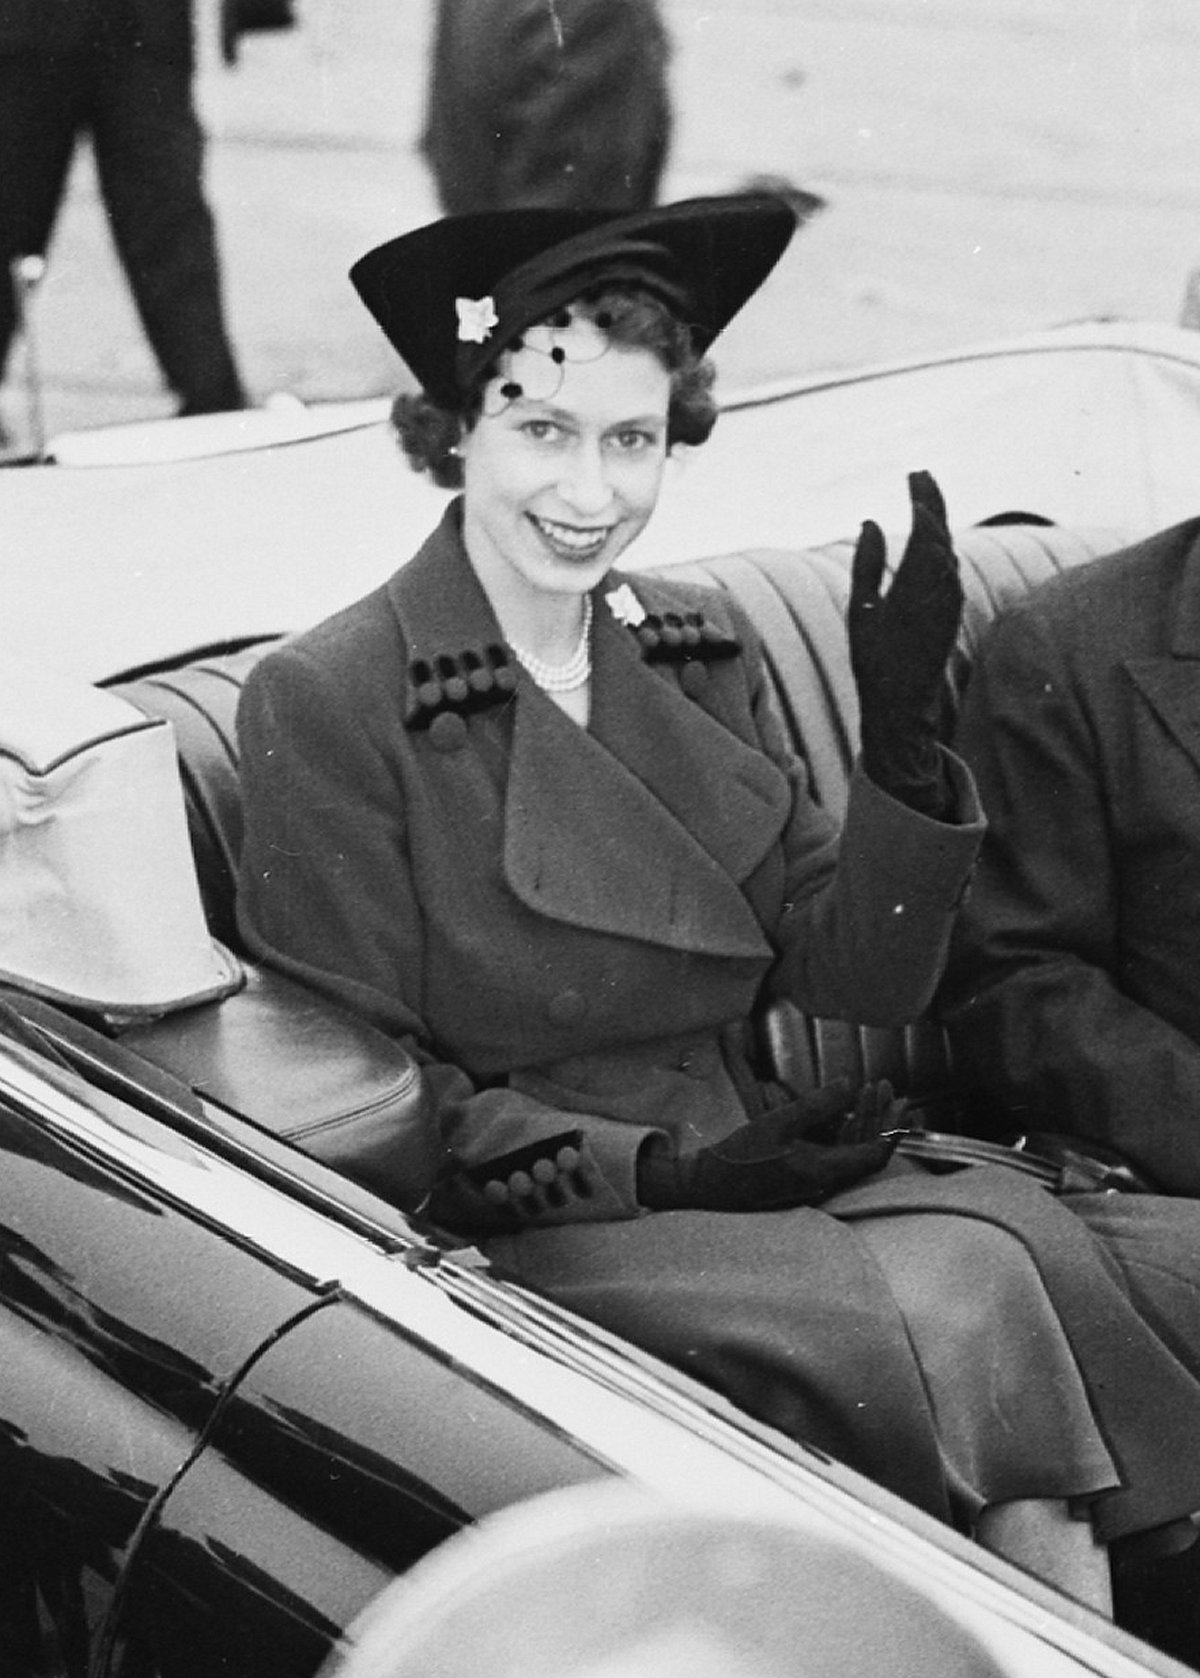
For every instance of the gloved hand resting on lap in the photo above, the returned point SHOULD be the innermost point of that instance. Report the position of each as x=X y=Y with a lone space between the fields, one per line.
x=795 y=1155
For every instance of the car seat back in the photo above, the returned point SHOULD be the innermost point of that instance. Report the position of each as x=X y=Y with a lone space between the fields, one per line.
x=797 y=602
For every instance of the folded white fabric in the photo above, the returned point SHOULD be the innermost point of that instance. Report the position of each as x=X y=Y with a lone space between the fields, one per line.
x=99 y=904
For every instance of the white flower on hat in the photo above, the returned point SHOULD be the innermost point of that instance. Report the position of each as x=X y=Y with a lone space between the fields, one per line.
x=625 y=606
x=476 y=318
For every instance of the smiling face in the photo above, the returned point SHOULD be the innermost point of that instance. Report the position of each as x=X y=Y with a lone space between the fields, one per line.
x=559 y=480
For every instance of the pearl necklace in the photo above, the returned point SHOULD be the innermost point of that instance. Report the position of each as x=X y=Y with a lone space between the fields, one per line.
x=563 y=678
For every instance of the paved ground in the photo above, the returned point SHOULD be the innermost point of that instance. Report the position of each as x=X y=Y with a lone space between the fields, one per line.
x=989 y=167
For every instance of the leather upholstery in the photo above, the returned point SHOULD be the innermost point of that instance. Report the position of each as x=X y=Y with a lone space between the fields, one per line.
x=305 y=1071
x=342 y=1091
x=798 y=604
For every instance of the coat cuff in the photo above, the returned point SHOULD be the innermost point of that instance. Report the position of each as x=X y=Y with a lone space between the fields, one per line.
x=580 y=1175
x=884 y=835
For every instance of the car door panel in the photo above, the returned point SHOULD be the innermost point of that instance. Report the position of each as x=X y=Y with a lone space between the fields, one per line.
x=122 y=1321
x=347 y=1452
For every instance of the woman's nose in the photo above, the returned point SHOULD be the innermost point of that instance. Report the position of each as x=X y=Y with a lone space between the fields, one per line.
x=584 y=485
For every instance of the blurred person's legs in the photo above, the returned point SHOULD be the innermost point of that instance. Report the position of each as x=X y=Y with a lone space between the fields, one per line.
x=149 y=150
x=563 y=106
x=42 y=103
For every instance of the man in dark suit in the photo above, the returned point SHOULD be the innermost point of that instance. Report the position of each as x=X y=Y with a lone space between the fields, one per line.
x=120 y=71
x=1074 y=991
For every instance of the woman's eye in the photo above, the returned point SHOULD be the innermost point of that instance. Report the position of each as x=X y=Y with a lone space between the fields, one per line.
x=634 y=442
x=542 y=431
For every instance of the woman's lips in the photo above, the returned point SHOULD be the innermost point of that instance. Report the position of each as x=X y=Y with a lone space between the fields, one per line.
x=572 y=541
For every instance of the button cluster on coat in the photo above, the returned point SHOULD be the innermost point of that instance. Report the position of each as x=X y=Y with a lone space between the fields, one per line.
x=683 y=638
x=453 y=686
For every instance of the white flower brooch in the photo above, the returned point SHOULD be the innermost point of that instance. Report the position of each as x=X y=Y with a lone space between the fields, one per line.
x=476 y=318
x=625 y=606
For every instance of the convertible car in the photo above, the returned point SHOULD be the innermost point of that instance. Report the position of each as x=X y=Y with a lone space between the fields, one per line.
x=245 y=1386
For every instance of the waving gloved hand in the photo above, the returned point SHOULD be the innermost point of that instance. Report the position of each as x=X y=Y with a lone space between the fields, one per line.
x=776 y=1160
x=900 y=643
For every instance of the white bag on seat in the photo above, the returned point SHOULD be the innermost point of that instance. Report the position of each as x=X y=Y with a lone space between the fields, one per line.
x=99 y=904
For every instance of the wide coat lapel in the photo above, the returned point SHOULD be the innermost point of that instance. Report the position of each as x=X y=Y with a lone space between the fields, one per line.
x=641 y=826
x=1171 y=684
x=645 y=824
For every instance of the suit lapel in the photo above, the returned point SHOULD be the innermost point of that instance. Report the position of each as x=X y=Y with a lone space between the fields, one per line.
x=1171 y=685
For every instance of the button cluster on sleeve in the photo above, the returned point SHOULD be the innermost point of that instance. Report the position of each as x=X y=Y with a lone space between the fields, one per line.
x=543 y=1186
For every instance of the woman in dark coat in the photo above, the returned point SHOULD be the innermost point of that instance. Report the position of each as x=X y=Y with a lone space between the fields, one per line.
x=539 y=820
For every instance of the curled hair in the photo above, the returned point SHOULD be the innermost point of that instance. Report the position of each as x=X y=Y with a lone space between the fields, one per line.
x=429 y=436
x=634 y=319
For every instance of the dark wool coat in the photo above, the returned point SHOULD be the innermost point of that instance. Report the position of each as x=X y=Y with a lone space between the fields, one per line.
x=570 y=925
x=1075 y=993
x=559 y=106
x=570 y=917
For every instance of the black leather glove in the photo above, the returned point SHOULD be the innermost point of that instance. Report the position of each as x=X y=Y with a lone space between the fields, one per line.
x=795 y=1155
x=899 y=647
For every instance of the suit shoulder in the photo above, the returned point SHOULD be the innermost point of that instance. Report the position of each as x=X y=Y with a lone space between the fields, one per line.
x=1111 y=601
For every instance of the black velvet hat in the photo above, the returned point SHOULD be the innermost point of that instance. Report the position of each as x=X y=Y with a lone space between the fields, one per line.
x=452 y=295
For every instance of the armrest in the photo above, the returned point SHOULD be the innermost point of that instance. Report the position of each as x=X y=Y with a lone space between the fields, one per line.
x=309 y=1073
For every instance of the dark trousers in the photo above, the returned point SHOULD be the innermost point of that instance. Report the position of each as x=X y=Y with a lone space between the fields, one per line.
x=557 y=106
x=148 y=147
